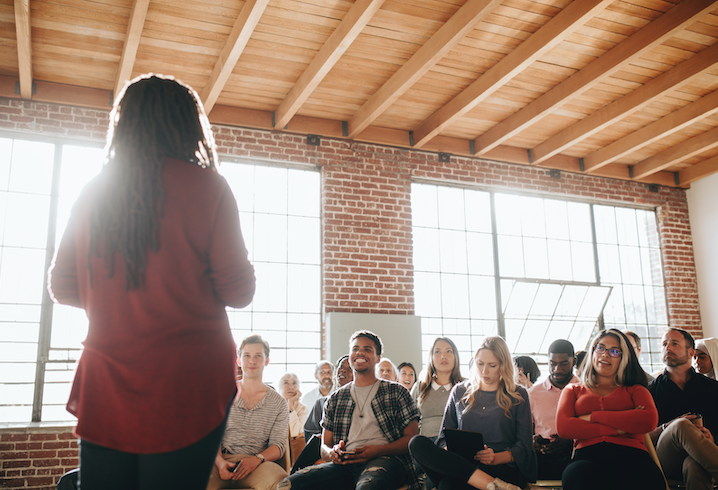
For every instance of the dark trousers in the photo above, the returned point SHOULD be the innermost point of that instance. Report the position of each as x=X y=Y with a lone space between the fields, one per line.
x=551 y=466
x=607 y=465
x=187 y=468
x=448 y=470
x=382 y=473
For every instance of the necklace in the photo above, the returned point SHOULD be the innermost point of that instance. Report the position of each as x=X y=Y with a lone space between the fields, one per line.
x=368 y=397
x=481 y=402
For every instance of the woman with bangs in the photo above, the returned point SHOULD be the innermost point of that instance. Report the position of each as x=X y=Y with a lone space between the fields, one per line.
x=607 y=414
x=491 y=403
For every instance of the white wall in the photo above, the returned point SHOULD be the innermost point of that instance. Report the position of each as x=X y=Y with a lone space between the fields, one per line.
x=703 y=210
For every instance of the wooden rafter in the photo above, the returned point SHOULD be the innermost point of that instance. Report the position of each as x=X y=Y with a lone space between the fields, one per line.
x=676 y=154
x=675 y=121
x=132 y=43
x=627 y=105
x=241 y=32
x=24 y=47
x=549 y=36
x=460 y=24
x=655 y=33
x=351 y=26
x=698 y=171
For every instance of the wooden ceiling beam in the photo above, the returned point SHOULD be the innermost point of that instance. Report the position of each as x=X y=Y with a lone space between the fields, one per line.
x=24 y=47
x=241 y=32
x=641 y=42
x=132 y=43
x=546 y=38
x=628 y=104
x=351 y=26
x=676 y=154
x=453 y=31
x=673 y=122
x=698 y=171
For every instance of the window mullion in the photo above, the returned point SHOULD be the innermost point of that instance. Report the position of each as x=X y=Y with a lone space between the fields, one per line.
x=45 y=335
x=501 y=324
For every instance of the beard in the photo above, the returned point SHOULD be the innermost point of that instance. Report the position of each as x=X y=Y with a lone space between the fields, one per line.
x=675 y=361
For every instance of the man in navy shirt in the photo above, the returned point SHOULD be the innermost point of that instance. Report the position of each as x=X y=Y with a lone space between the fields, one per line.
x=687 y=405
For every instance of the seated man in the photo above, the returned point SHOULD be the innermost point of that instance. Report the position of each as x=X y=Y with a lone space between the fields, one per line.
x=344 y=375
x=552 y=452
x=367 y=427
x=257 y=430
x=686 y=443
x=323 y=373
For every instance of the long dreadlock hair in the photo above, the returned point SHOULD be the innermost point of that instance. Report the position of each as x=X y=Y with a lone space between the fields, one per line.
x=153 y=118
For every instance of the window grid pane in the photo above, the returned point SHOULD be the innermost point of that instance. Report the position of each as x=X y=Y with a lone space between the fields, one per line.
x=548 y=242
x=280 y=218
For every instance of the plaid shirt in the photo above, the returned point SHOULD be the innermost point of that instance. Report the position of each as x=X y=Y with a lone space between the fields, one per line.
x=393 y=408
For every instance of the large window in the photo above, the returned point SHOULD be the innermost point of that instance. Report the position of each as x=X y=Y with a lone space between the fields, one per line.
x=279 y=211
x=40 y=342
x=533 y=270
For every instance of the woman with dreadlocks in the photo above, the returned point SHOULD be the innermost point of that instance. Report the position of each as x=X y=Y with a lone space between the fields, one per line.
x=153 y=252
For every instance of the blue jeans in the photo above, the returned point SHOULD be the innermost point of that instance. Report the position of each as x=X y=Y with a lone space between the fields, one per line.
x=383 y=473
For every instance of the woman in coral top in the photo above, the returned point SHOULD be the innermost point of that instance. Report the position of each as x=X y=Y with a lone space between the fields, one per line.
x=606 y=415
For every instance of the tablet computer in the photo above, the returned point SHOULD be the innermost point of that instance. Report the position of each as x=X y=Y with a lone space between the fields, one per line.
x=465 y=443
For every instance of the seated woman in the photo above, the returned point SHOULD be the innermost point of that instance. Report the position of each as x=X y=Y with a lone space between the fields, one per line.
x=490 y=403
x=705 y=360
x=607 y=415
x=407 y=375
x=431 y=393
x=289 y=388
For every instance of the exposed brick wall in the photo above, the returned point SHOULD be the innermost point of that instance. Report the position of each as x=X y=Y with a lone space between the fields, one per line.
x=367 y=242
x=35 y=458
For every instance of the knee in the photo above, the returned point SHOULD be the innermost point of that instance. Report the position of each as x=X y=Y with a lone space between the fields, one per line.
x=285 y=484
x=694 y=472
x=579 y=475
x=417 y=443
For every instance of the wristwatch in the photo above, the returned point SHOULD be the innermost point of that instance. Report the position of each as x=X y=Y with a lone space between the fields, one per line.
x=261 y=458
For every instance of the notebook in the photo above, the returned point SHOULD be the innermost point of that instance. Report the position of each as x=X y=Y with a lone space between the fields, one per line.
x=465 y=443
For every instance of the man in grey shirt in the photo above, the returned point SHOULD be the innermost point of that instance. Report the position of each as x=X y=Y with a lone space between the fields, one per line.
x=257 y=430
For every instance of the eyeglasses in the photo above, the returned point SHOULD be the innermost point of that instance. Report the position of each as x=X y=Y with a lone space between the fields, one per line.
x=612 y=352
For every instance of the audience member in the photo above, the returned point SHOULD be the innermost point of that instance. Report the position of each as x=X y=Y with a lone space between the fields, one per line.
x=257 y=428
x=288 y=387
x=342 y=376
x=687 y=405
x=553 y=453
x=607 y=414
x=706 y=357
x=635 y=341
x=323 y=373
x=490 y=403
x=407 y=374
x=443 y=371
x=387 y=370
x=312 y=427
x=580 y=357
x=367 y=426
x=154 y=253
x=526 y=371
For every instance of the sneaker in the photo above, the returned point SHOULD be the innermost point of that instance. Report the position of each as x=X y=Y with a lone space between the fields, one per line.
x=499 y=484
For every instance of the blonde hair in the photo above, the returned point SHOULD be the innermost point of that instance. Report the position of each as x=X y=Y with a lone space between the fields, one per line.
x=506 y=395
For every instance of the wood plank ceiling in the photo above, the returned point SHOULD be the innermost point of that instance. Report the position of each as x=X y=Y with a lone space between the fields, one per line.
x=620 y=88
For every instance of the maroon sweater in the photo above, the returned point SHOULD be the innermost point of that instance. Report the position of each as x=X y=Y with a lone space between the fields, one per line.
x=157 y=370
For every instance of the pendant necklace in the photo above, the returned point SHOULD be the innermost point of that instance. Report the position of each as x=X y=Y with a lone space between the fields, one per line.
x=369 y=396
